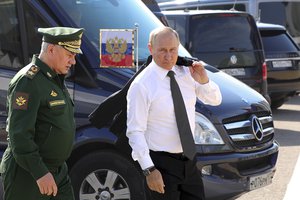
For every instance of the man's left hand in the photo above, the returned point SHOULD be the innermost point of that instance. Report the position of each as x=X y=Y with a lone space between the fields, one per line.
x=47 y=185
x=198 y=72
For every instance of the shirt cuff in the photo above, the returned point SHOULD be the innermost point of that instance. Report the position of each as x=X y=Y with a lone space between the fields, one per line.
x=207 y=86
x=145 y=162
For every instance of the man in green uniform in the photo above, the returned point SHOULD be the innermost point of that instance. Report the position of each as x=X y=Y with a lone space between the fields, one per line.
x=40 y=122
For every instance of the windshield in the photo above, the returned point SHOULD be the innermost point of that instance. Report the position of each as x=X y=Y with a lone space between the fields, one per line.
x=94 y=15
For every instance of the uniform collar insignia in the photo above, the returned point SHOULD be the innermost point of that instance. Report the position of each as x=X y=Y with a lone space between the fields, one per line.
x=33 y=70
x=30 y=73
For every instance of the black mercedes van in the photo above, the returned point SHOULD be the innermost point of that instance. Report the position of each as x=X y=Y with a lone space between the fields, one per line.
x=236 y=147
x=228 y=40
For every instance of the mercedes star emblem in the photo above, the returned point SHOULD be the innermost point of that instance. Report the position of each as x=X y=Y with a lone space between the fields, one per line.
x=257 y=128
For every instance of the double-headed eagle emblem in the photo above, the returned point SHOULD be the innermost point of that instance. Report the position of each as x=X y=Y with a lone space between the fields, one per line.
x=116 y=47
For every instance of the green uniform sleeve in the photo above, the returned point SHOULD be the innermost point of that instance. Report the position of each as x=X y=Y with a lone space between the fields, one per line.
x=24 y=102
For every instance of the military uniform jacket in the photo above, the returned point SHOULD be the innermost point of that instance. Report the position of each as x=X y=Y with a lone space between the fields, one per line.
x=40 y=121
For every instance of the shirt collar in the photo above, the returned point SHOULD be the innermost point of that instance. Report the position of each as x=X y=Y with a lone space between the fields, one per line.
x=161 y=72
x=43 y=67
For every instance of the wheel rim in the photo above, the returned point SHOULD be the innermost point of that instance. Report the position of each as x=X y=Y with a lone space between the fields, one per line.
x=104 y=184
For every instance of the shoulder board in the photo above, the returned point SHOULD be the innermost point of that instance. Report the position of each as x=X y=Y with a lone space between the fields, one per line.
x=33 y=70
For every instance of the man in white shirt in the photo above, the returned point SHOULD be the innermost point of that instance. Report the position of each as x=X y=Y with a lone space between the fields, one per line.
x=151 y=124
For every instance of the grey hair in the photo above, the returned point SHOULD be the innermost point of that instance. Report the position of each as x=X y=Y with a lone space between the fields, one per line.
x=159 y=30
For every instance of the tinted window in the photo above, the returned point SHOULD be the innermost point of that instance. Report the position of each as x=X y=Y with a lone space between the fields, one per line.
x=277 y=41
x=283 y=13
x=223 y=32
x=179 y=24
x=33 y=21
x=10 y=42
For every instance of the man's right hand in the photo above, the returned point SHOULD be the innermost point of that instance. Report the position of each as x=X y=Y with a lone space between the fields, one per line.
x=47 y=185
x=155 y=181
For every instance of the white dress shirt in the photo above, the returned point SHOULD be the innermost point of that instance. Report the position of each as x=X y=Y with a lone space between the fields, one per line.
x=151 y=122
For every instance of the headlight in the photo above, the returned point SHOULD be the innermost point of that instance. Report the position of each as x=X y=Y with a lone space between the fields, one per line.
x=205 y=132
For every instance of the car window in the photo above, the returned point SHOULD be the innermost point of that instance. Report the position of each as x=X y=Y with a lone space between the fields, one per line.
x=277 y=41
x=10 y=42
x=226 y=32
x=33 y=21
x=286 y=14
x=179 y=24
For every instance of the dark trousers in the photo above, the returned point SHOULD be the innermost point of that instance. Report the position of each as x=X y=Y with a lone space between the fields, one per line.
x=180 y=175
x=19 y=184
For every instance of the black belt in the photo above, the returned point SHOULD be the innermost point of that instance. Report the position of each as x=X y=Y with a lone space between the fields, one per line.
x=178 y=156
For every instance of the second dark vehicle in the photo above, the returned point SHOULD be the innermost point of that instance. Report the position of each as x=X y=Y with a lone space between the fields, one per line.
x=228 y=40
x=283 y=63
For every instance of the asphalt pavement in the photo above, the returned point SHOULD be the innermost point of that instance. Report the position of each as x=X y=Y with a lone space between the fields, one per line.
x=292 y=191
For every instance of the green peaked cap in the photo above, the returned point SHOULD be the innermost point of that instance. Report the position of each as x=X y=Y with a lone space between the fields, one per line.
x=67 y=37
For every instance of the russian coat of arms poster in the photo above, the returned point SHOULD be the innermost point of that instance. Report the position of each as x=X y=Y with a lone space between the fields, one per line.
x=117 y=48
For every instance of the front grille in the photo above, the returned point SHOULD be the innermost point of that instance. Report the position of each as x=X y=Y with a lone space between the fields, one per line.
x=254 y=142
x=245 y=116
x=244 y=136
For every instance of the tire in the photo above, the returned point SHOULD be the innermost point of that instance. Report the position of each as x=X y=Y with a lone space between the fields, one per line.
x=277 y=103
x=106 y=176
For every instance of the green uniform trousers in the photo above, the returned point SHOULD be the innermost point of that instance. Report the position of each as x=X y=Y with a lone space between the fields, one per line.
x=19 y=184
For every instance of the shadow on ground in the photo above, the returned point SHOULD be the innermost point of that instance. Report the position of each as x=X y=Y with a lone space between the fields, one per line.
x=289 y=115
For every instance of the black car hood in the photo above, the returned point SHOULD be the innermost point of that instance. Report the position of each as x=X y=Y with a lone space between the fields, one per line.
x=237 y=99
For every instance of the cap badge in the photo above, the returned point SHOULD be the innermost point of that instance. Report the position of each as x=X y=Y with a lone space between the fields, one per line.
x=72 y=44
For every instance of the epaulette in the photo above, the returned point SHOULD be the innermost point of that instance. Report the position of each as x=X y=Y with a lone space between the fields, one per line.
x=33 y=70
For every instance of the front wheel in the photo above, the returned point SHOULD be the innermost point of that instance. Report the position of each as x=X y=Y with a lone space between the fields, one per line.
x=106 y=176
x=277 y=103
